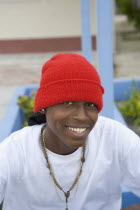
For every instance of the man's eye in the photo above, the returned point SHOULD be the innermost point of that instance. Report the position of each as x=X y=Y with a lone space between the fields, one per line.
x=91 y=104
x=68 y=103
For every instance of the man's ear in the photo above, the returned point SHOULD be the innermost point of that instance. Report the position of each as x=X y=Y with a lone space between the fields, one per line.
x=43 y=111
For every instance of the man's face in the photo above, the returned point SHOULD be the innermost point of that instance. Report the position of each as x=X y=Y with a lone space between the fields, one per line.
x=69 y=123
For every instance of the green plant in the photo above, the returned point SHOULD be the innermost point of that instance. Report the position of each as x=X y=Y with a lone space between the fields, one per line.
x=131 y=9
x=26 y=103
x=130 y=108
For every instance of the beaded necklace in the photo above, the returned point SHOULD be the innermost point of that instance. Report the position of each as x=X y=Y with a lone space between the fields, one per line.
x=67 y=193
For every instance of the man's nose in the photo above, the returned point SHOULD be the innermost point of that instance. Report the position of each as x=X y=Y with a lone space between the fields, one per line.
x=80 y=113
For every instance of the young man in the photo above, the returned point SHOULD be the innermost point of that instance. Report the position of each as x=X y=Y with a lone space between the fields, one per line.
x=76 y=160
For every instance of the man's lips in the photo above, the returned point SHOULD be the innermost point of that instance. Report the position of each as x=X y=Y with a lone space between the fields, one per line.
x=77 y=130
x=78 y=126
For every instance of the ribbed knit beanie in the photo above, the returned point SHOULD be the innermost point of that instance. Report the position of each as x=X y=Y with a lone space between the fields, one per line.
x=68 y=77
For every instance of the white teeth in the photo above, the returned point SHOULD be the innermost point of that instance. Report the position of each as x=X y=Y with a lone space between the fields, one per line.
x=78 y=130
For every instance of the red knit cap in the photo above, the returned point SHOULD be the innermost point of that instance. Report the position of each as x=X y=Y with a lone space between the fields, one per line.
x=68 y=77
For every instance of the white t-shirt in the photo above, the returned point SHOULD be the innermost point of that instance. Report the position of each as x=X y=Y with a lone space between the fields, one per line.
x=112 y=159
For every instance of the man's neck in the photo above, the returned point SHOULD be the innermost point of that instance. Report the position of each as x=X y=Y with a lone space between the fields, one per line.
x=55 y=145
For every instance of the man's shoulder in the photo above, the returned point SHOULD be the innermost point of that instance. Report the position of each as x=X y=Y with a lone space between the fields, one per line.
x=109 y=123
x=109 y=127
x=21 y=136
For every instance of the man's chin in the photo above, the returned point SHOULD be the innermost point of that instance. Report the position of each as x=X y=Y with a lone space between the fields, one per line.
x=75 y=144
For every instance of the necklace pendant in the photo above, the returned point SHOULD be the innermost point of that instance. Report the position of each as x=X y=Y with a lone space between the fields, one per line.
x=67 y=194
x=66 y=209
x=82 y=159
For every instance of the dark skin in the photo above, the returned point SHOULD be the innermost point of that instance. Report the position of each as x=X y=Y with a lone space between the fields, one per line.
x=68 y=125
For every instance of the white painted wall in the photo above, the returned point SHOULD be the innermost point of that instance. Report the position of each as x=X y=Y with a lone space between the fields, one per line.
x=25 y=19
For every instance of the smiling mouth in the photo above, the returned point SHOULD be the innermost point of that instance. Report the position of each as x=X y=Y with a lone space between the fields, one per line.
x=77 y=130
